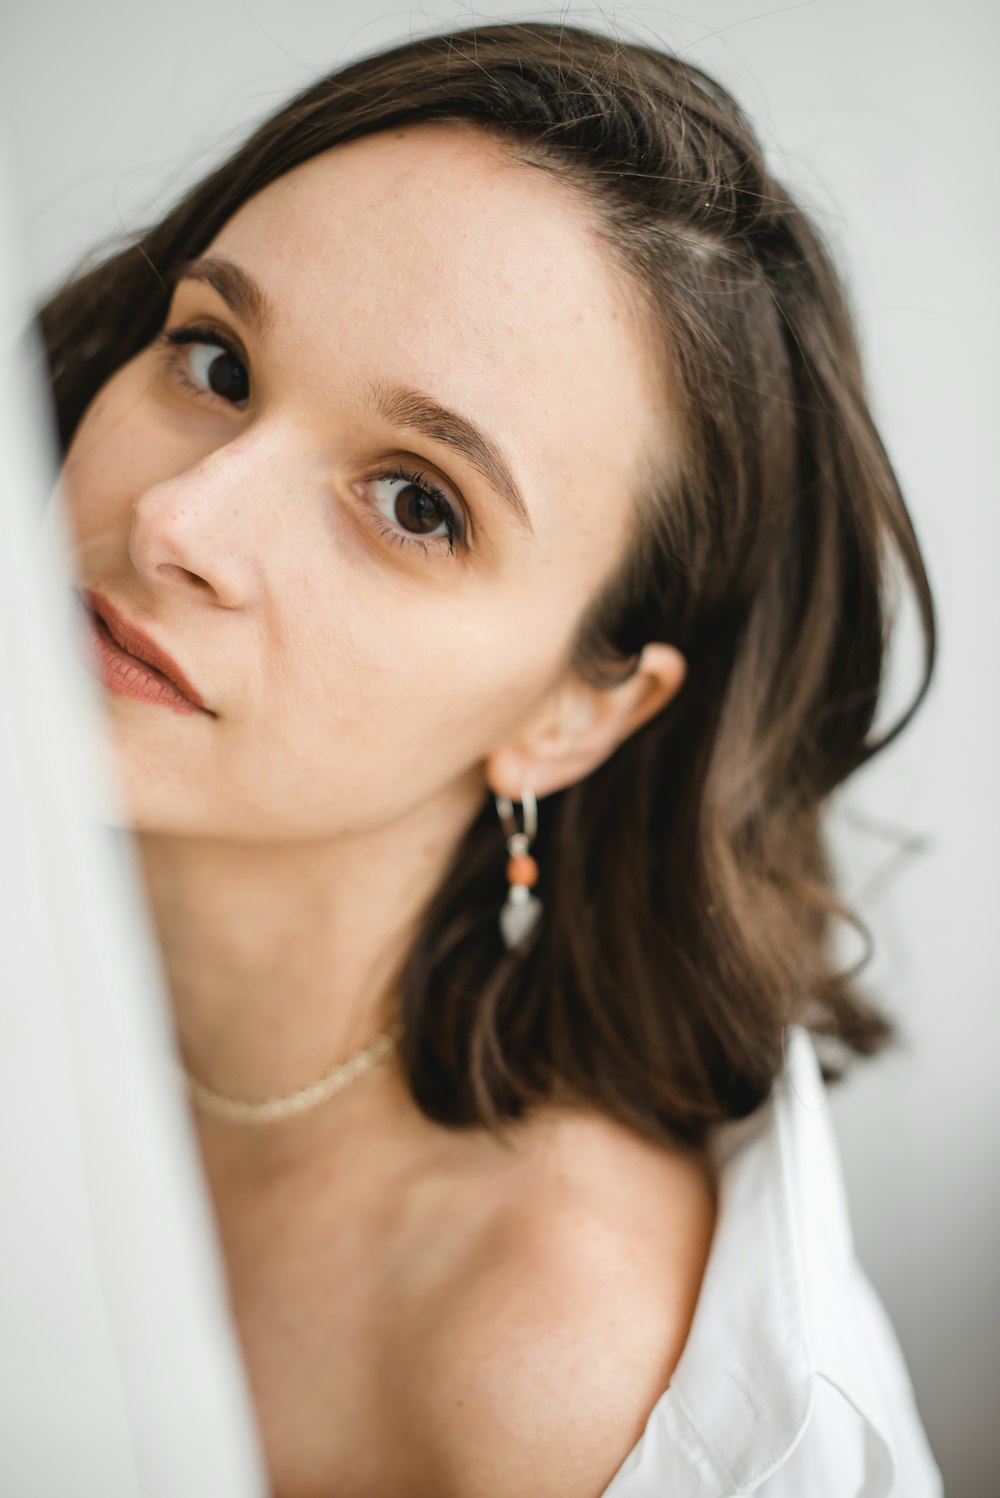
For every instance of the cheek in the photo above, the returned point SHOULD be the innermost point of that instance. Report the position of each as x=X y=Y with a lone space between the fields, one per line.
x=375 y=711
x=111 y=456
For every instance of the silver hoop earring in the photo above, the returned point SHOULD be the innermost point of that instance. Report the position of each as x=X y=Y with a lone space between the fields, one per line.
x=520 y=912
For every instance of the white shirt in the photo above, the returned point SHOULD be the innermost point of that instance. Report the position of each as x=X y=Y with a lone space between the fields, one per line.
x=791 y=1383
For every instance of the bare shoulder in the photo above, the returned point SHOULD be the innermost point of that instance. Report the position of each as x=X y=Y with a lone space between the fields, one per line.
x=561 y=1325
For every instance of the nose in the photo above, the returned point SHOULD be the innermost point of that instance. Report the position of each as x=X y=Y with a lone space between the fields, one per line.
x=201 y=530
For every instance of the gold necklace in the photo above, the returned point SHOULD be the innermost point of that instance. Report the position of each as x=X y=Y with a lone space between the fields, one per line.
x=293 y=1103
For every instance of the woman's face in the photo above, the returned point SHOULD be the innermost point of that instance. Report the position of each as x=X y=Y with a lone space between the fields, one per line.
x=366 y=613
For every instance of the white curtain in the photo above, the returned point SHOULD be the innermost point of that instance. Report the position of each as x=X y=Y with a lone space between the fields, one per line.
x=119 y=1368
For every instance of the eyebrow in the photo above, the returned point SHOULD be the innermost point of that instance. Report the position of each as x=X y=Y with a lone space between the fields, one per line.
x=400 y=405
x=237 y=288
x=403 y=406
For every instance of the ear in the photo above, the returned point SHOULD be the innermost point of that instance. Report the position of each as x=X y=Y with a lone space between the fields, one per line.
x=579 y=726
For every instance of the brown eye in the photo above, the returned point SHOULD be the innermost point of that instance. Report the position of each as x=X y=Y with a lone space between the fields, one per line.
x=417 y=512
x=205 y=362
x=220 y=371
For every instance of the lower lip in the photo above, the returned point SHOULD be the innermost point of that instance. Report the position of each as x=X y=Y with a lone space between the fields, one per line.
x=123 y=674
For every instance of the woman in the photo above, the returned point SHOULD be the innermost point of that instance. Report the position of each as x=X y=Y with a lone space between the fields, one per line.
x=484 y=543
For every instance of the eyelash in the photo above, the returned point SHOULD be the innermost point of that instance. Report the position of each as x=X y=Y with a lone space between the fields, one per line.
x=442 y=507
x=170 y=341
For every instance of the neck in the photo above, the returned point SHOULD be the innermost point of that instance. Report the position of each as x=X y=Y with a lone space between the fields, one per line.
x=282 y=960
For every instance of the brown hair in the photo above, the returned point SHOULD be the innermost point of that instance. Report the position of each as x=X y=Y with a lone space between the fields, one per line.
x=689 y=899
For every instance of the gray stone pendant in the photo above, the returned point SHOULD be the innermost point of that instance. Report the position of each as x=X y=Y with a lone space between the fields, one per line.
x=519 y=915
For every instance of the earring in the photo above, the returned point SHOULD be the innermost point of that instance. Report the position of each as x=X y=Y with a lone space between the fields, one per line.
x=520 y=911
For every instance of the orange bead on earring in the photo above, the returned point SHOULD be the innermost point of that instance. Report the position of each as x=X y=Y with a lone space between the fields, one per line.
x=522 y=869
x=521 y=910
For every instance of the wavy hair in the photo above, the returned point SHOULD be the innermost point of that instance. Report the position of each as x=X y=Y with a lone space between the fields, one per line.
x=689 y=895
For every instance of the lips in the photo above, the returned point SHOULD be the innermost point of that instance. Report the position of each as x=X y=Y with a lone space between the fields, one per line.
x=136 y=644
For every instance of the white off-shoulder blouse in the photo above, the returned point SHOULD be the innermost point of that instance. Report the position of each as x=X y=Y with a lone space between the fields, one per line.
x=791 y=1383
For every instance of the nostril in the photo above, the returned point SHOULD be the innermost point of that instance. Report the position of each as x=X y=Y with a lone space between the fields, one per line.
x=186 y=574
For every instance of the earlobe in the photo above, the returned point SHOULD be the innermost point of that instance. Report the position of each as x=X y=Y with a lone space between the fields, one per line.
x=584 y=725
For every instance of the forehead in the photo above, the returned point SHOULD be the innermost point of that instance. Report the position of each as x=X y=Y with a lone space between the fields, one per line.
x=428 y=256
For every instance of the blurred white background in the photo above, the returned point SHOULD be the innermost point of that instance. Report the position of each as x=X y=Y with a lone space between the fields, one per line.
x=884 y=115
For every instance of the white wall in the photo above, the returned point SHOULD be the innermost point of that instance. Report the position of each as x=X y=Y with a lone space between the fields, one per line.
x=884 y=113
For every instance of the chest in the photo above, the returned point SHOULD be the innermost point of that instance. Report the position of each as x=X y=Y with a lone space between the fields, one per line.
x=352 y=1280
x=320 y=1289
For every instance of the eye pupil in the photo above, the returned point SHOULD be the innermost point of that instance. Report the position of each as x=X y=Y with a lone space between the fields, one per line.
x=413 y=505
x=227 y=377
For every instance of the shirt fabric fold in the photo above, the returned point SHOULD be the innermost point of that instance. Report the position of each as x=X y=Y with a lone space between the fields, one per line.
x=792 y=1383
